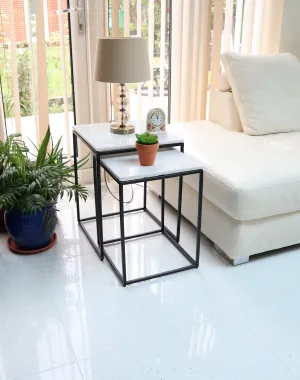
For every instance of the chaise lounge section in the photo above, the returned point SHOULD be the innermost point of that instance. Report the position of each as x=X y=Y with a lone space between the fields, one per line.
x=251 y=183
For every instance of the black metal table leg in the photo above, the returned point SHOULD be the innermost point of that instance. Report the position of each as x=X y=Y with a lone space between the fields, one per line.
x=179 y=201
x=200 y=194
x=100 y=207
x=95 y=189
x=145 y=195
x=122 y=228
x=179 y=208
x=75 y=150
x=98 y=203
x=162 y=218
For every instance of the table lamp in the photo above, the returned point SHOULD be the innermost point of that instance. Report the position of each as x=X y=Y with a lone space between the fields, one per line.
x=122 y=60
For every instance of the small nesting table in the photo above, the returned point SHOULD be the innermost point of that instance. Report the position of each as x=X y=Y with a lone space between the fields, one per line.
x=126 y=170
x=101 y=142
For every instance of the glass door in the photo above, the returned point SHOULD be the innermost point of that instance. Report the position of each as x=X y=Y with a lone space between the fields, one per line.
x=42 y=50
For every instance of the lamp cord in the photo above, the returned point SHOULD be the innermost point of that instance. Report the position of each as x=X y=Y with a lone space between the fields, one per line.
x=113 y=195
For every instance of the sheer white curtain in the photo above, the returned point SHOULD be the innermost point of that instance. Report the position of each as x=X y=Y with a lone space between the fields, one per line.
x=2 y=119
x=191 y=21
x=30 y=70
x=97 y=26
x=262 y=26
x=272 y=26
x=36 y=70
x=148 y=19
x=249 y=26
x=202 y=30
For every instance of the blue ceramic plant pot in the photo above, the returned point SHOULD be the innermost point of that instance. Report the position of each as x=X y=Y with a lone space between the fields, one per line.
x=30 y=231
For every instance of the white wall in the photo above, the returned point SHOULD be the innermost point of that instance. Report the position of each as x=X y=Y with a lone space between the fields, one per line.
x=290 y=31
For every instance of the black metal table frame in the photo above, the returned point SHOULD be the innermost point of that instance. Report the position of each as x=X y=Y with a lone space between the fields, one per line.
x=173 y=238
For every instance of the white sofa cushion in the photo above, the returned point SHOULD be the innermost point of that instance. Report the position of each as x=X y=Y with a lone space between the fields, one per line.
x=247 y=177
x=237 y=238
x=266 y=89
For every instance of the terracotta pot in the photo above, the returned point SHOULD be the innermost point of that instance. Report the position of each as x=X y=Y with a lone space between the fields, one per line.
x=13 y=246
x=2 y=225
x=147 y=153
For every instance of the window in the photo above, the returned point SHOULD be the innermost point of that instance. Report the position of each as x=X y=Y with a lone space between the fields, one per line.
x=149 y=19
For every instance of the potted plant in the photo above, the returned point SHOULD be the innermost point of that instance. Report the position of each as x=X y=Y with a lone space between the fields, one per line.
x=147 y=146
x=5 y=149
x=30 y=187
x=2 y=225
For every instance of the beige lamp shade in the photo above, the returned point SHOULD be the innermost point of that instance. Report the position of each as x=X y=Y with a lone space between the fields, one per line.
x=122 y=60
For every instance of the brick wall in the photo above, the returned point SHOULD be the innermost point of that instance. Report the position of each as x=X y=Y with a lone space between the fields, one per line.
x=52 y=15
x=19 y=19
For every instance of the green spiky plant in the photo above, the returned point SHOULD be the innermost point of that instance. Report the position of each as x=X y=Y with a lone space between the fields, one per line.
x=146 y=138
x=6 y=148
x=35 y=182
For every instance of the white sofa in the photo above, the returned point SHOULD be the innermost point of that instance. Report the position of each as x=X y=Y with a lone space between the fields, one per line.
x=251 y=192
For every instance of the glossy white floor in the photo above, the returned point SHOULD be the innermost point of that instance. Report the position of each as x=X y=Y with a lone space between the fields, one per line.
x=64 y=316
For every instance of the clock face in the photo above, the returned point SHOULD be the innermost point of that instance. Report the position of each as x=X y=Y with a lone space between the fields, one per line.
x=158 y=118
x=156 y=121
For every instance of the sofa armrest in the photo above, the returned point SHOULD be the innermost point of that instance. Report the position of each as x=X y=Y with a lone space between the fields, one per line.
x=223 y=111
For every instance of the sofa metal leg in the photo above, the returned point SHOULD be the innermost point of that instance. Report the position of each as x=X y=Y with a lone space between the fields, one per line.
x=236 y=261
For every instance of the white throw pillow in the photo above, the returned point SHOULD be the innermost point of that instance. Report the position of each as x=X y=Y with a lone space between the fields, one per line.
x=266 y=89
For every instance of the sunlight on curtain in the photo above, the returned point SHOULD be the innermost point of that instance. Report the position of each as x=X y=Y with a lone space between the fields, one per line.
x=2 y=119
x=216 y=42
x=35 y=69
x=148 y=19
x=246 y=26
x=191 y=22
x=204 y=30
x=42 y=82
x=14 y=68
x=96 y=26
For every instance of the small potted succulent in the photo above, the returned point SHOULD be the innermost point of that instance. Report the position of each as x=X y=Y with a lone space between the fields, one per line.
x=147 y=146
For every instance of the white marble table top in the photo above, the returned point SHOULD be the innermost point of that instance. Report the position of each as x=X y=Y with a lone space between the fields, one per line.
x=99 y=137
x=128 y=168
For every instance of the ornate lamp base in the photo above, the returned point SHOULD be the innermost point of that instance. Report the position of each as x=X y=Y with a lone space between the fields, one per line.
x=122 y=127
x=122 y=130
